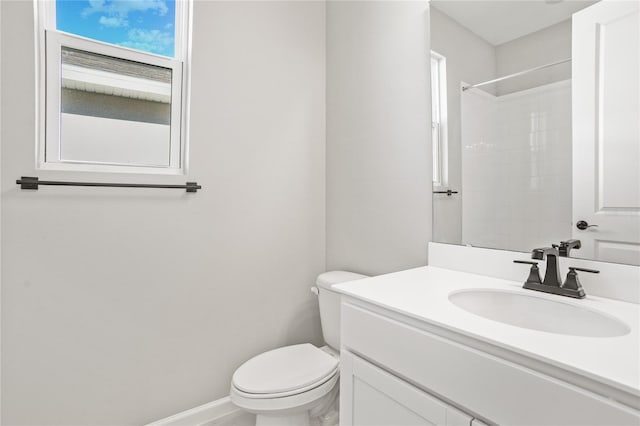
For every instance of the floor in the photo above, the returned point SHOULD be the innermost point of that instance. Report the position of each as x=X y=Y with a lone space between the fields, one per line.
x=248 y=419
x=242 y=419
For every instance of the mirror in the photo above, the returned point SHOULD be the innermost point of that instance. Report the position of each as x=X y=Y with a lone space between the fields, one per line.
x=535 y=128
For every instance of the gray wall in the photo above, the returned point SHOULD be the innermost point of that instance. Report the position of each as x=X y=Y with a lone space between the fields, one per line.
x=548 y=45
x=470 y=59
x=378 y=136
x=125 y=306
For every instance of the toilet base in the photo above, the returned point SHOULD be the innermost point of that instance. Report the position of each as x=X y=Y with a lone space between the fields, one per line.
x=298 y=419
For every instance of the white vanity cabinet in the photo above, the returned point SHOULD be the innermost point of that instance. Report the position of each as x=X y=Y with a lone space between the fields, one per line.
x=373 y=396
x=398 y=370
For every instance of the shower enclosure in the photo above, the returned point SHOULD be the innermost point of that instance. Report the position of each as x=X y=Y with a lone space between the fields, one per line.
x=516 y=167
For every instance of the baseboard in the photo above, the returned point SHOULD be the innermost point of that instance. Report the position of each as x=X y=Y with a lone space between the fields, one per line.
x=219 y=412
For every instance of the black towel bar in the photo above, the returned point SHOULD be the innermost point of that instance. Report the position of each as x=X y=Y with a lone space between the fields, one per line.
x=29 y=182
x=448 y=192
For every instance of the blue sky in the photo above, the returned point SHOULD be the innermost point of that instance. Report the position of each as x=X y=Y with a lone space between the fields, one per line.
x=146 y=25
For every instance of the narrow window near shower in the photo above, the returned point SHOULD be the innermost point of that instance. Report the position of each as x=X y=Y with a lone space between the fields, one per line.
x=439 y=118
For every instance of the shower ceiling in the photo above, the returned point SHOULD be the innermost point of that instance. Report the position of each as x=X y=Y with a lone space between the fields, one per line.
x=501 y=21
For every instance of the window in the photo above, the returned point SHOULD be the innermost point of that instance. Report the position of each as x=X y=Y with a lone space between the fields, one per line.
x=113 y=85
x=439 y=118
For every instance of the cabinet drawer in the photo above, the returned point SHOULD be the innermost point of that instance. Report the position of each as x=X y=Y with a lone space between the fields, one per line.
x=504 y=392
x=372 y=396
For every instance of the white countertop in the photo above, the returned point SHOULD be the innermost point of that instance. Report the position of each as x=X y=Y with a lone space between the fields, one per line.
x=422 y=294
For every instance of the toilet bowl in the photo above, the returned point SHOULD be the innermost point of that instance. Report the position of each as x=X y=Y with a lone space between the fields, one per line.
x=290 y=385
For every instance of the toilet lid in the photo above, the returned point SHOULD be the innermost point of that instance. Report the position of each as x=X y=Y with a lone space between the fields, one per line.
x=284 y=369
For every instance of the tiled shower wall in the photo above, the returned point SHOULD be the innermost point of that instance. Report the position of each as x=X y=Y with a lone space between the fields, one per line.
x=516 y=167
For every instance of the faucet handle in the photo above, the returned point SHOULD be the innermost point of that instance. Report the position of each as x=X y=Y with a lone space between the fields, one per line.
x=526 y=262
x=534 y=272
x=572 y=283
x=591 y=271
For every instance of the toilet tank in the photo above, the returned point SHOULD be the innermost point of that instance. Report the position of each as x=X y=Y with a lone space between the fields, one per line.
x=329 y=302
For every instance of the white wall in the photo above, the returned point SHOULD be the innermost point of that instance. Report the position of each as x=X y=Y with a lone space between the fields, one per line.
x=548 y=45
x=470 y=59
x=516 y=177
x=0 y=216
x=378 y=136
x=122 y=306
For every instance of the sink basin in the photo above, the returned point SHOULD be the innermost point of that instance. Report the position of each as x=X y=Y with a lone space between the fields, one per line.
x=537 y=313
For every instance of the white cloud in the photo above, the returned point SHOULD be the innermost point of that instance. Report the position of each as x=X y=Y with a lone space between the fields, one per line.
x=149 y=40
x=112 y=22
x=96 y=3
x=122 y=8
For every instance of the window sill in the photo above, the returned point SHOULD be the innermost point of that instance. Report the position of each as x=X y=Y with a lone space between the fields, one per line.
x=104 y=168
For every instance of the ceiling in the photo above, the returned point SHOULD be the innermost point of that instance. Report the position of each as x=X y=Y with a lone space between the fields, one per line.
x=501 y=21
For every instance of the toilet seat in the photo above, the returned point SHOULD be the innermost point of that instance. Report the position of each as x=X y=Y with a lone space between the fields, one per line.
x=289 y=378
x=284 y=371
x=297 y=402
x=292 y=392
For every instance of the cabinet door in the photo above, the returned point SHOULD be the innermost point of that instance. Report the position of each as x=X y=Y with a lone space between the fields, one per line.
x=370 y=396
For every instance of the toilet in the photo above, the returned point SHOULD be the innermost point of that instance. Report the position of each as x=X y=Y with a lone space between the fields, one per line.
x=288 y=386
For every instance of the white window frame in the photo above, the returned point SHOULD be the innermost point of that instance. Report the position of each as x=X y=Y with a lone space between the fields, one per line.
x=439 y=122
x=49 y=42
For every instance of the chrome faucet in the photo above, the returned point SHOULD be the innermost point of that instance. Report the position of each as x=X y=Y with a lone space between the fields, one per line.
x=552 y=274
x=552 y=282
